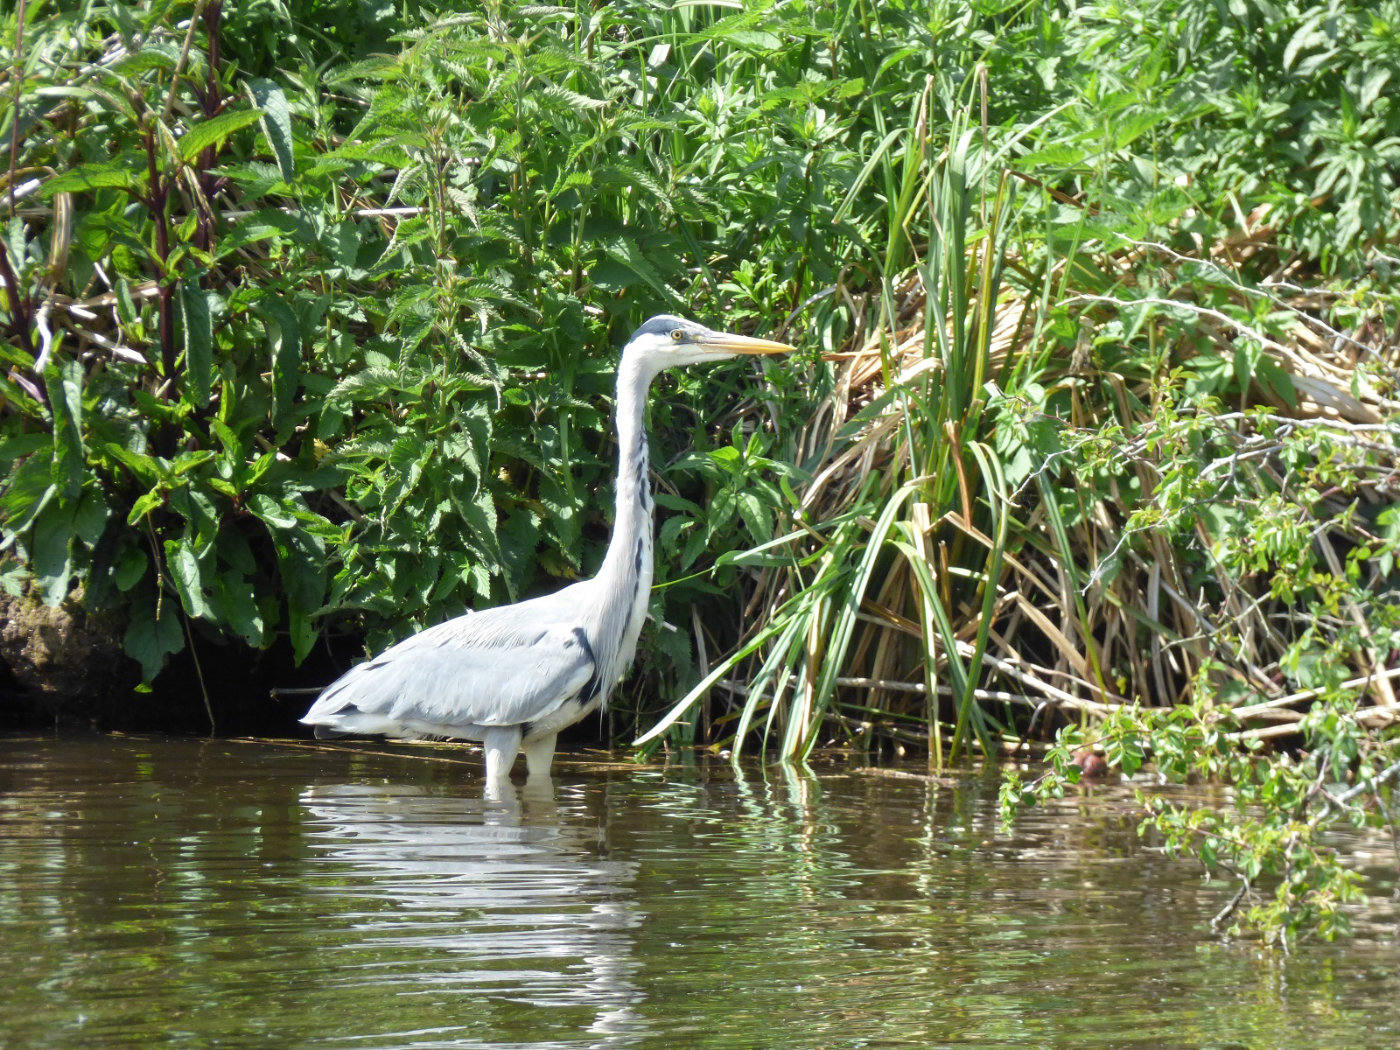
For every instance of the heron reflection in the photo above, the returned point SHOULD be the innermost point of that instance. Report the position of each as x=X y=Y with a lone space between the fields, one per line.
x=500 y=898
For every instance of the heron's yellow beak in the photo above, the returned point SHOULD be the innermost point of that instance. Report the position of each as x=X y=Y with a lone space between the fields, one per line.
x=741 y=344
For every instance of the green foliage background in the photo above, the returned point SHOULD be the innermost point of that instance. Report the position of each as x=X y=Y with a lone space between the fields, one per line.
x=373 y=292
x=399 y=414
x=360 y=267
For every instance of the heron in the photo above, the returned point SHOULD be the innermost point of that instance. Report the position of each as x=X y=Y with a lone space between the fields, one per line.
x=512 y=677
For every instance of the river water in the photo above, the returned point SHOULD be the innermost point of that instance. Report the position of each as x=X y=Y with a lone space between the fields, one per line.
x=224 y=893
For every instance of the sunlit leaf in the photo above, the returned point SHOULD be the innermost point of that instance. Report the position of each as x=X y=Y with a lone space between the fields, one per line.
x=214 y=131
x=276 y=122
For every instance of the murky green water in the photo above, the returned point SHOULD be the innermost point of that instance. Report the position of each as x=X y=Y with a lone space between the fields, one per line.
x=221 y=893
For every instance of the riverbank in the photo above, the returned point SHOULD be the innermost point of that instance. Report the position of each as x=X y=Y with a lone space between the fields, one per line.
x=1092 y=433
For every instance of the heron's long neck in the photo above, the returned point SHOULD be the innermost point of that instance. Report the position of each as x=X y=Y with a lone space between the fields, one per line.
x=624 y=582
x=629 y=552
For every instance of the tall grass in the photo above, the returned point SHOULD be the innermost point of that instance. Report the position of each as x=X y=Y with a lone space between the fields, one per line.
x=938 y=199
x=1027 y=495
x=1109 y=460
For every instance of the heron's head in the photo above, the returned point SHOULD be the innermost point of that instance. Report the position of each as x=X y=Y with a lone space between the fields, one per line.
x=665 y=340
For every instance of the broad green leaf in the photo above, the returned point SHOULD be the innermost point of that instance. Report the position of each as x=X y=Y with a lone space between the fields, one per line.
x=756 y=516
x=1055 y=155
x=480 y=516
x=284 y=349
x=150 y=638
x=250 y=230
x=301 y=629
x=92 y=516
x=152 y=54
x=1126 y=131
x=52 y=552
x=64 y=380
x=365 y=385
x=27 y=491
x=276 y=122
x=213 y=131
x=571 y=99
x=199 y=342
x=272 y=512
x=144 y=504
x=187 y=577
x=1305 y=35
x=130 y=567
x=625 y=252
x=1376 y=81
x=1276 y=380
x=301 y=560
x=232 y=447
x=186 y=462
x=146 y=469
x=90 y=177
x=236 y=604
x=261 y=466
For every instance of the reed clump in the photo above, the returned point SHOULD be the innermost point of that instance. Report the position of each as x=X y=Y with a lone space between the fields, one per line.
x=1120 y=481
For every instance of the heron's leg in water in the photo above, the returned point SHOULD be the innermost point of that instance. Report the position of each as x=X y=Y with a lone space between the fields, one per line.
x=501 y=745
x=539 y=753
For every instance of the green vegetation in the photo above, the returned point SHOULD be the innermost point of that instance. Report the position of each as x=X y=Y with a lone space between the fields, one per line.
x=308 y=327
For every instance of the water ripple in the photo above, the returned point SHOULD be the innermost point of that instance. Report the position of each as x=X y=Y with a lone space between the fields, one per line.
x=197 y=893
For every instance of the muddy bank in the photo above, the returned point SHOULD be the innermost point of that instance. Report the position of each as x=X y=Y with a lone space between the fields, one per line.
x=60 y=665
x=63 y=668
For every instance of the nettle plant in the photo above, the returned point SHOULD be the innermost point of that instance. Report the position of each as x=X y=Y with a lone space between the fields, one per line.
x=327 y=340
x=157 y=451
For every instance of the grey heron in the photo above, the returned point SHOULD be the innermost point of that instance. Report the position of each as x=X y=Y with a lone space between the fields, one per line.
x=513 y=676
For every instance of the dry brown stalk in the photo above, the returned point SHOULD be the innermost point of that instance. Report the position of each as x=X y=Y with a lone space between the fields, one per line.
x=1149 y=626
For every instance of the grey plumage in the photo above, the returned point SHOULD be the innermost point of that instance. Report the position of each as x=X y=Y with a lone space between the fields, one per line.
x=445 y=676
x=518 y=674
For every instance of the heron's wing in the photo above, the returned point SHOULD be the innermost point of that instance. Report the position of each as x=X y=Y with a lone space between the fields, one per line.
x=493 y=668
x=505 y=626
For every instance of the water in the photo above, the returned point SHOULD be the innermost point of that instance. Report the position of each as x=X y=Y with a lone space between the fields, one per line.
x=255 y=894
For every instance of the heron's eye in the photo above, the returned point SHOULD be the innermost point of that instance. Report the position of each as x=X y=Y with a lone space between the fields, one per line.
x=677 y=335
